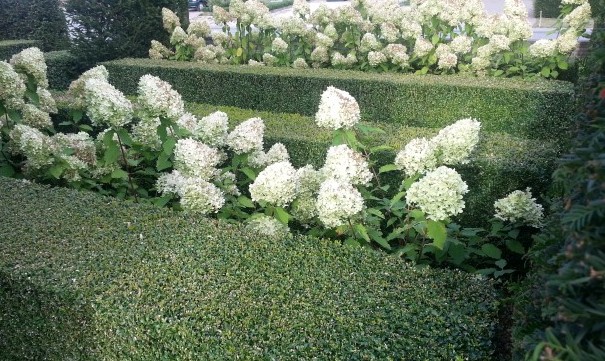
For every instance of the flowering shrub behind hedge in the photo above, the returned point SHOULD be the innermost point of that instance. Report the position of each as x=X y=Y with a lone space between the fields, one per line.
x=429 y=36
x=89 y=278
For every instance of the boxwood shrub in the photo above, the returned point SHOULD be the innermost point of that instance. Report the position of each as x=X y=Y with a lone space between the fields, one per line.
x=90 y=278
x=63 y=68
x=10 y=47
x=529 y=109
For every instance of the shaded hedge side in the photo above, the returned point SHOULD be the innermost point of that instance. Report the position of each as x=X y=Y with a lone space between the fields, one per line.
x=89 y=278
x=533 y=110
x=63 y=68
x=10 y=47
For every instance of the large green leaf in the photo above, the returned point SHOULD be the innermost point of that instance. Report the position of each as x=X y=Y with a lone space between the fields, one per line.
x=282 y=216
x=437 y=232
x=491 y=251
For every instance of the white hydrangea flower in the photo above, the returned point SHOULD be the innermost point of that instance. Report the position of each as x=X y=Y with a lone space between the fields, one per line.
x=82 y=145
x=188 y=122
x=221 y=15
x=76 y=88
x=337 y=202
x=422 y=47
x=337 y=59
x=105 y=104
x=397 y=54
x=253 y=62
x=346 y=165
x=196 y=159
x=170 y=20
x=301 y=8
x=320 y=55
x=456 y=142
x=228 y=183
x=279 y=46
x=267 y=226
x=543 y=48
x=438 y=194
x=375 y=58
x=277 y=153
x=200 y=196
x=46 y=100
x=158 y=99
x=12 y=87
x=212 y=129
x=417 y=157
x=567 y=43
x=518 y=29
x=347 y=15
x=461 y=44
x=322 y=16
x=178 y=36
x=369 y=42
x=31 y=61
x=269 y=59
x=520 y=207
x=170 y=183
x=304 y=208
x=579 y=17
x=330 y=30
x=389 y=32
x=145 y=132
x=447 y=61
x=337 y=109
x=275 y=185
x=573 y=2
x=159 y=51
x=324 y=40
x=410 y=29
x=205 y=55
x=199 y=27
x=500 y=42
x=308 y=180
x=515 y=8
x=300 y=63
x=35 y=117
x=34 y=145
x=247 y=137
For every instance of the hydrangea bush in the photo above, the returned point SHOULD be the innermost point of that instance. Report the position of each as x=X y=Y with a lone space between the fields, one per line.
x=428 y=36
x=151 y=149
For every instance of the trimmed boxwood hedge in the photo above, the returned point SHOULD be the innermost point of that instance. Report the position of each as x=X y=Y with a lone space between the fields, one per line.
x=63 y=68
x=10 y=47
x=501 y=163
x=91 y=278
x=530 y=109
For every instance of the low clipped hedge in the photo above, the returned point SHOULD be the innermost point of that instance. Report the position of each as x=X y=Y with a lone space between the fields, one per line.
x=10 y=47
x=528 y=109
x=63 y=68
x=90 y=278
x=500 y=164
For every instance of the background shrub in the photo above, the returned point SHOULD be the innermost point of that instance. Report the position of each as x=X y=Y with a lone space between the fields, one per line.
x=86 y=277
x=549 y=8
x=34 y=20
x=533 y=110
x=63 y=68
x=10 y=47
x=106 y=29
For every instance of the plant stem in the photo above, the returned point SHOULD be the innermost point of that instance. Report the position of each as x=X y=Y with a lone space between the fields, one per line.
x=421 y=249
x=351 y=226
x=132 y=190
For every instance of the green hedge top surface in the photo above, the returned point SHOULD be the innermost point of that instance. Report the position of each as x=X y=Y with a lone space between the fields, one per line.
x=529 y=109
x=10 y=47
x=87 y=277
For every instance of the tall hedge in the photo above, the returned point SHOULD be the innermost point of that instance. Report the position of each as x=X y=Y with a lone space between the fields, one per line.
x=34 y=20
x=533 y=110
x=84 y=277
x=109 y=29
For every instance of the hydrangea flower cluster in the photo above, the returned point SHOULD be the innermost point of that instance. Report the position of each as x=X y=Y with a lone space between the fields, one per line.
x=196 y=195
x=337 y=109
x=337 y=203
x=268 y=227
x=453 y=145
x=34 y=145
x=212 y=129
x=277 y=153
x=170 y=20
x=105 y=105
x=519 y=206
x=275 y=185
x=438 y=194
x=346 y=165
x=12 y=88
x=195 y=159
x=247 y=137
x=158 y=99
x=77 y=87
x=31 y=62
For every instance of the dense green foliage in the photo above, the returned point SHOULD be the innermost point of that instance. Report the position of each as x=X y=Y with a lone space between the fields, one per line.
x=35 y=20
x=565 y=318
x=106 y=29
x=87 y=277
x=533 y=110
x=270 y=4
x=63 y=68
x=549 y=8
x=10 y=47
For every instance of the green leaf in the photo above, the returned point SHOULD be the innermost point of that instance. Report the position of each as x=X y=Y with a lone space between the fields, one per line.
x=491 y=251
x=417 y=214
x=161 y=201
x=515 y=246
x=352 y=242
x=381 y=148
x=76 y=115
x=435 y=39
x=387 y=168
x=375 y=212
x=168 y=145
x=14 y=115
x=56 y=170
x=376 y=236
x=112 y=153
x=125 y=138
x=85 y=128
x=563 y=65
x=163 y=163
x=363 y=232
x=239 y=52
x=545 y=72
x=437 y=232
x=119 y=174
x=397 y=197
x=281 y=215
x=245 y=202
x=6 y=170
x=501 y=263
x=249 y=173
